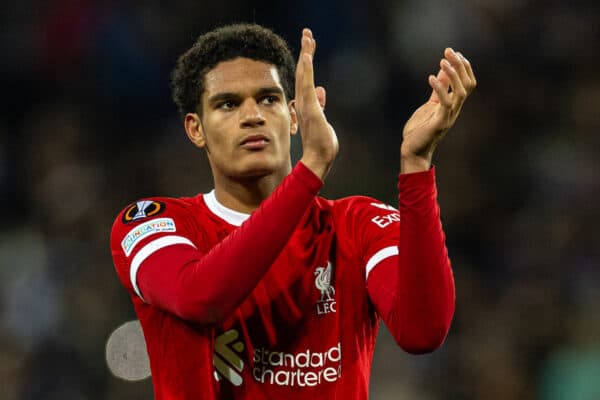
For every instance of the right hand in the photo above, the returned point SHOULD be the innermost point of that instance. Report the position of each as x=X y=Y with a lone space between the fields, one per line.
x=319 y=142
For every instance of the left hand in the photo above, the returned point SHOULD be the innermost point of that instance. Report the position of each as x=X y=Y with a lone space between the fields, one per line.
x=430 y=122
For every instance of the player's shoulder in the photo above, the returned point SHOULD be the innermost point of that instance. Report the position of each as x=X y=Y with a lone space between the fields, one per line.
x=361 y=216
x=358 y=204
x=149 y=207
x=156 y=213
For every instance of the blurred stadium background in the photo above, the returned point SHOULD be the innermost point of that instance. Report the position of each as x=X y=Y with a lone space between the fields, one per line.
x=87 y=125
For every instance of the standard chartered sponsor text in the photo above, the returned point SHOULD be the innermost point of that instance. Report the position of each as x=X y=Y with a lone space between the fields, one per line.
x=307 y=368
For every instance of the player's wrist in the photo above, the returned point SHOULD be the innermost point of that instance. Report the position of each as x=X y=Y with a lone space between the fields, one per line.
x=317 y=165
x=319 y=161
x=412 y=163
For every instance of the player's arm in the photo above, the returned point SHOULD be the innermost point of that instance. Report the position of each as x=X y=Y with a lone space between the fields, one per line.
x=414 y=290
x=410 y=283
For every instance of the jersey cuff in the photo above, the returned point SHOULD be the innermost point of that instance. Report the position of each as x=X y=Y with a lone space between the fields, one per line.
x=379 y=257
x=425 y=178
x=310 y=180
x=147 y=251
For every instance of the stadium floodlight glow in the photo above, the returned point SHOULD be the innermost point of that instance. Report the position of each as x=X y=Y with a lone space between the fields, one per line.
x=126 y=353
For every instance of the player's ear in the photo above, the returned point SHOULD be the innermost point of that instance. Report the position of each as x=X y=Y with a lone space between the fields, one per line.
x=293 y=117
x=194 y=130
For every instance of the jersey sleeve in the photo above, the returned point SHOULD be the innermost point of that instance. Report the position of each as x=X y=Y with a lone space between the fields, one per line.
x=164 y=267
x=373 y=227
x=143 y=228
x=407 y=269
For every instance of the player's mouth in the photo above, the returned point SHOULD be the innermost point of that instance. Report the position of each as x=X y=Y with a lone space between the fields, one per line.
x=254 y=142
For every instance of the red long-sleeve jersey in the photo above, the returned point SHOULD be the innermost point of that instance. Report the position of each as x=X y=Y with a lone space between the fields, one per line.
x=284 y=303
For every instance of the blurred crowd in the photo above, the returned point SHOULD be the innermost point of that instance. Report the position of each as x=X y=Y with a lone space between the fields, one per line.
x=87 y=126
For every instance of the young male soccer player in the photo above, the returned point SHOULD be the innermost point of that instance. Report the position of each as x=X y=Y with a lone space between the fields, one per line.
x=260 y=288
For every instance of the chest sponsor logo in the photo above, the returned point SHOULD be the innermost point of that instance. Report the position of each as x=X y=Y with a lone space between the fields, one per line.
x=305 y=368
x=142 y=209
x=227 y=358
x=144 y=230
x=384 y=220
x=326 y=303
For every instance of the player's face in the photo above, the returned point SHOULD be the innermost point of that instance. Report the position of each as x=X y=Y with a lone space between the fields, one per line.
x=246 y=121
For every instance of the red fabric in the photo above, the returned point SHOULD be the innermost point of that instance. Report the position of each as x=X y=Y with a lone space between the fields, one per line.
x=313 y=300
x=414 y=292
x=206 y=288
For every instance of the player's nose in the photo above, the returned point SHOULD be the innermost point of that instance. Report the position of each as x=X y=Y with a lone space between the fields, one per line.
x=250 y=115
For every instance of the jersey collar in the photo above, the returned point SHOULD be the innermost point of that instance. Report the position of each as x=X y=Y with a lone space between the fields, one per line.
x=233 y=217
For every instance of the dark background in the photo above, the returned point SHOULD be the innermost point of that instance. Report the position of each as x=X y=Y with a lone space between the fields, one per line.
x=87 y=125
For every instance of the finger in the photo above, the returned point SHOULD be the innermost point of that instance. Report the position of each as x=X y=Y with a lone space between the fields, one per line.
x=444 y=81
x=440 y=90
x=308 y=78
x=469 y=70
x=307 y=83
x=321 y=96
x=457 y=63
x=308 y=42
x=304 y=70
x=305 y=44
x=313 y=43
x=459 y=92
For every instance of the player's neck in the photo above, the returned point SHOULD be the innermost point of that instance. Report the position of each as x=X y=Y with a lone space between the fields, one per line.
x=245 y=194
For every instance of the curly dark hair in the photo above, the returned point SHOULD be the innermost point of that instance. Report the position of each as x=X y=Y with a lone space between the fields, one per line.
x=223 y=44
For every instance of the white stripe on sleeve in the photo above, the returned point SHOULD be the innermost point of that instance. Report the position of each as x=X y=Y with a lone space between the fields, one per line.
x=148 y=250
x=380 y=256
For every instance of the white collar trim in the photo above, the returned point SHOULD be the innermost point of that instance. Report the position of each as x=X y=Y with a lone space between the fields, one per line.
x=233 y=217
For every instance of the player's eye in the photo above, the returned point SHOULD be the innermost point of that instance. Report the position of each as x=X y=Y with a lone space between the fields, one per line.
x=269 y=100
x=226 y=105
